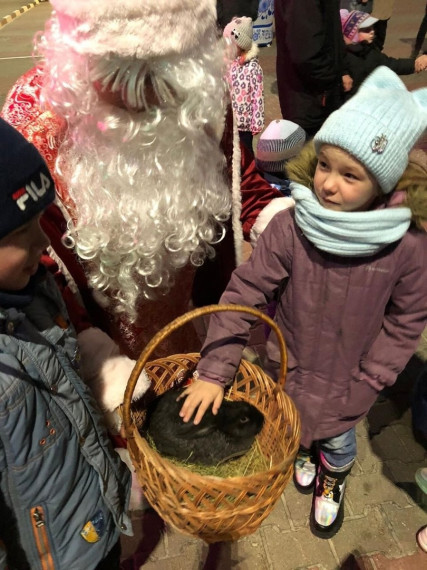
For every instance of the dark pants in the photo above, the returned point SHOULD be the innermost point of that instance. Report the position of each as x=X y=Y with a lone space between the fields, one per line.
x=380 y=28
x=112 y=560
x=419 y=403
x=421 y=33
x=246 y=138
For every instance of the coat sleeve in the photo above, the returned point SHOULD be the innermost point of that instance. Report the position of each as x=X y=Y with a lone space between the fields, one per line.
x=401 y=65
x=252 y=284
x=404 y=320
x=256 y=192
x=257 y=96
x=105 y=370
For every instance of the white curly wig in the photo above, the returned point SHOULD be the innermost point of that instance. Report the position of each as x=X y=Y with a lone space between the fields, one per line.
x=147 y=176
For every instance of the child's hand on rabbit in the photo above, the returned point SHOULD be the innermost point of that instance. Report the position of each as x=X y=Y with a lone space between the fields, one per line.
x=200 y=394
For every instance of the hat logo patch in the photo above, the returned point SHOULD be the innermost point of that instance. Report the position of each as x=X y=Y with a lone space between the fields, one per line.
x=33 y=191
x=379 y=144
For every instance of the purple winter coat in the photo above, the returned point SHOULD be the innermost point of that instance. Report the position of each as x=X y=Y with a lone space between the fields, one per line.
x=350 y=323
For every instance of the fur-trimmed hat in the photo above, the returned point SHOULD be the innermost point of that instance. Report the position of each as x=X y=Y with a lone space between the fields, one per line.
x=379 y=126
x=240 y=30
x=279 y=142
x=134 y=28
x=352 y=22
x=26 y=187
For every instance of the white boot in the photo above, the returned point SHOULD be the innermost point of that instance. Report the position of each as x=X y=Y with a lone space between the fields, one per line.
x=327 y=512
x=305 y=469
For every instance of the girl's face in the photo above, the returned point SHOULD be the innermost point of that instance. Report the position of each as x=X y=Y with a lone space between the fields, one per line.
x=342 y=183
x=366 y=35
x=20 y=253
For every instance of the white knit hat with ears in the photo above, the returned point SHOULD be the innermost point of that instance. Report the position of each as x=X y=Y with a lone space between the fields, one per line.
x=379 y=126
x=134 y=28
x=240 y=30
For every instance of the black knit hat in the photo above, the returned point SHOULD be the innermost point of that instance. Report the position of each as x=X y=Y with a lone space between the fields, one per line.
x=26 y=186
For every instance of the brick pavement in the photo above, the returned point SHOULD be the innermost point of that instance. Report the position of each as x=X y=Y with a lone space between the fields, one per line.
x=383 y=506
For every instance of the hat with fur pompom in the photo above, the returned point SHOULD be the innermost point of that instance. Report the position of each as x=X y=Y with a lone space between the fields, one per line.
x=379 y=126
x=134 y=28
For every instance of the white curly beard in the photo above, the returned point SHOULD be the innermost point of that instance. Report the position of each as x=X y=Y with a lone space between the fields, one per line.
x=148 y=188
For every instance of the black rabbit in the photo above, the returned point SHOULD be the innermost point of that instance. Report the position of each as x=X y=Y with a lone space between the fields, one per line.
x=214 y=440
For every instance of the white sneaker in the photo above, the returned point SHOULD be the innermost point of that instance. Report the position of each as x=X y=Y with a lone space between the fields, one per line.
x=305 y=470
x=422 y=538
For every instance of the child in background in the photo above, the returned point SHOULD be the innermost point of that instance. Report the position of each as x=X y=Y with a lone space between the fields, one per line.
x=245 y=80
x=363 y=56
x=63 y=490
x=279 y=142
x=348 y=271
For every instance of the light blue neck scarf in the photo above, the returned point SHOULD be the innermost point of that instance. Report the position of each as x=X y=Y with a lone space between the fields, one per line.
x=350 y=234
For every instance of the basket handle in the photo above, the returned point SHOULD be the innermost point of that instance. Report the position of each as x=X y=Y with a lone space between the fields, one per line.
x=182 y=320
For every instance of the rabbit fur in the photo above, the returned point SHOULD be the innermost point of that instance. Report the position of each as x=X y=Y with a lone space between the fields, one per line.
x=214 y=440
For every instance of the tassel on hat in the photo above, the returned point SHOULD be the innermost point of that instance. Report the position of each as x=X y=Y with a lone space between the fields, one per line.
x=379 y=126
x=134 y=28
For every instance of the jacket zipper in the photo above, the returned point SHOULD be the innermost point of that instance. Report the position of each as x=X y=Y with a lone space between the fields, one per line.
x=41 y=538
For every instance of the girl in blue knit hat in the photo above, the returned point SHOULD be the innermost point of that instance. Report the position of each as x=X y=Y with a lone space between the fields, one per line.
x=347 y=267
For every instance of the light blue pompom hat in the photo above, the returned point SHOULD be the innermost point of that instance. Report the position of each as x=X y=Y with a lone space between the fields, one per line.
x=379 y=126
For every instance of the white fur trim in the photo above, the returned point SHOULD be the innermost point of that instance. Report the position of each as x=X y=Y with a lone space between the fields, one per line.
x=141 y=28
x=236 y=195
x=113 y=379
x=265 y=216
x=252 y=53
x=106 y=371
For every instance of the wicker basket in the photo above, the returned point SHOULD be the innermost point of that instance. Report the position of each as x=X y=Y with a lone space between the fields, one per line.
x=212 y=508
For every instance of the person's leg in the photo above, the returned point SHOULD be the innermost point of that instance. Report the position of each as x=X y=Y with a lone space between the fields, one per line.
x=246 y=137
x=380 y=28
x=419 y=40
x=337 y=455
x=112 y=560
x=421 y=480
x=339 y=451
x=419 y=407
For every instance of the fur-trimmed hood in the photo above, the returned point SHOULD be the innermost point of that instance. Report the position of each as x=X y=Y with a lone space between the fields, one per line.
x=248 y=55
x=412 y=184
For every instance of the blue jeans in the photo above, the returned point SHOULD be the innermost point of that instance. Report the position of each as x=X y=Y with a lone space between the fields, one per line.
x=340 y=450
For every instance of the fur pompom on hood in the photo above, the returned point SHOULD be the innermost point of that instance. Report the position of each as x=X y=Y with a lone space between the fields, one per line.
x=301 y=169
x=412 y=184
x=250 y=54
